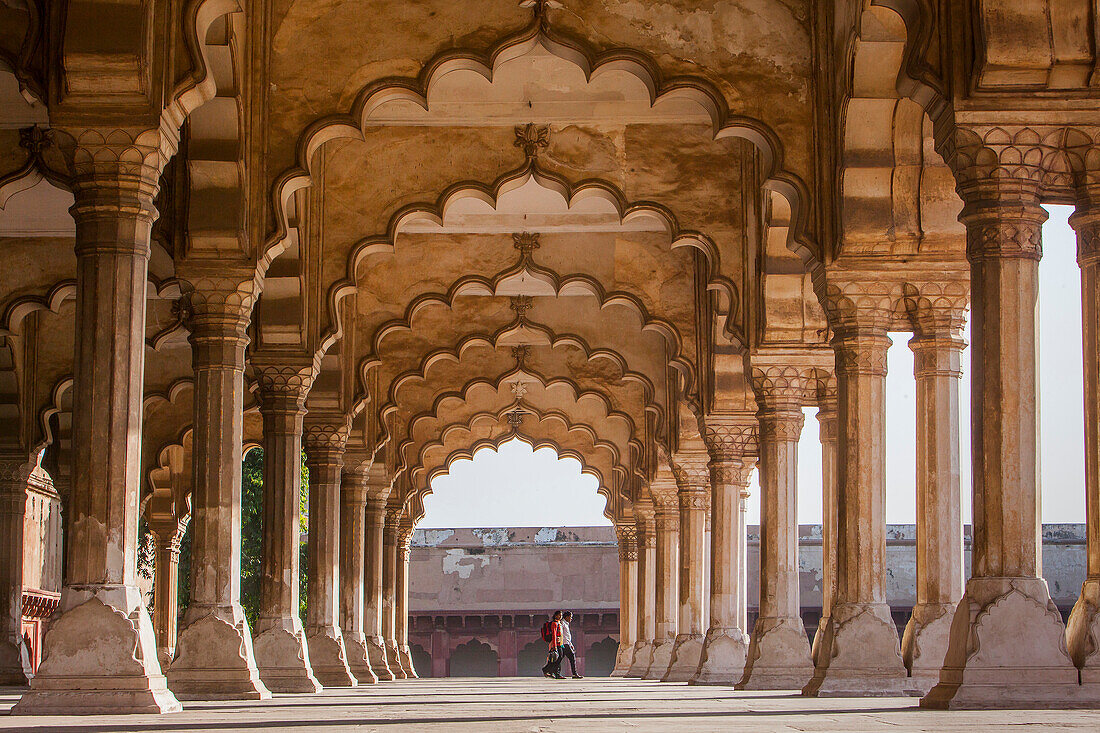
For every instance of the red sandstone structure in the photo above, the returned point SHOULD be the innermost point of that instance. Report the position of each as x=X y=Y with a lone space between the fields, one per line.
x=648 y=235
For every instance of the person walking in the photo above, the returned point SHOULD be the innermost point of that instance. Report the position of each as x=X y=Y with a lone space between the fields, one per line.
x=567 y=650
x=551 y=634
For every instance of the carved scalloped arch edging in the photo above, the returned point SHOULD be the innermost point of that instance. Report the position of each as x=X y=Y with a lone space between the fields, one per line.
x=495 y=443
x=415 y=90
x=58 y=395
x=199 y=86
x=419 y=374
x=464 y=393
x=916 y=79
x=669 y=332
x=21 y=307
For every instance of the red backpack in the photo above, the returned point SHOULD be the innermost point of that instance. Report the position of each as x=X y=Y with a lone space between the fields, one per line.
x=547 y=632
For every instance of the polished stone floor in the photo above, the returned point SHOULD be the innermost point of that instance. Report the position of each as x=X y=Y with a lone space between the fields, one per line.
x=525 y=705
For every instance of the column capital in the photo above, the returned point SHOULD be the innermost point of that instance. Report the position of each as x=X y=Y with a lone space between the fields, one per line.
x=324 y=439
x=783 y=386
x=353 y=488
x=730 y=437
x=861 y=351
x=691 y=473
x=938 y=307
x=627 y=536
x=217 y=303
x=283 y=384
x=1085 y=220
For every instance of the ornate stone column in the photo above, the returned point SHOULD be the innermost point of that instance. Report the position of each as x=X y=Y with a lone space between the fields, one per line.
x=390 y=534
x=693 y=485
x=214 y=654
x=647 y=586
x=742 y=560
x=726 y=645
x=324 y=442
x=937 y=348
x=779 y=653
x=353 y=531
x=826 y=430
x=281 y=649
x=100 y=654
x=1083 y=630
x=373 y=613
x=628 y=597
x=859 y=653
x=166 y=587
x=15 y=663
x=401 y=599
x=667 y=586
x=1007 y=646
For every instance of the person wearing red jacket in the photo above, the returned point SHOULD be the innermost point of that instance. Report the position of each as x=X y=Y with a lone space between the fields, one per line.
x=554 y=656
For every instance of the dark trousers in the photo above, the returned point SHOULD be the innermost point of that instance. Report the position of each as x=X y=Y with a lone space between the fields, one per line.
x=568 y=653
x=554 y=667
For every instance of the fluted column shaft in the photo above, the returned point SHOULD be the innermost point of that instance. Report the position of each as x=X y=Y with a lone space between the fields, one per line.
x=325 y=460
x=667 y=587
x=1006 y=610
x=389 y=592
x=647 y=589
x=281 y=649
x=353 y=531
x=779 y=652
x=401 y=599
x=860 y=654
x=114 y=184
x=726 y=645
x=373 y=581
x=15 y=663
x=938 y=369
x=1083 y=629
x=827 y=431
x=628 y=598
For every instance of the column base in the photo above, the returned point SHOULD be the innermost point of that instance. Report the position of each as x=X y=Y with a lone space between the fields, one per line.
x=282 y=656
x=643 y=657
x=15 y=662
x=924 y=644
x=815 y=645
x=355 y=645
x=1007 y=650
x=778 y=656
x=1083 y=633
x=393 y=655
x=725 y=652
x=100 y=658
x=860 y=655
x=686 y=656
x=623 y=657
x=407 y=662
x=379 y=662
x=662 y=658
x=214 y=658
x=327 y=657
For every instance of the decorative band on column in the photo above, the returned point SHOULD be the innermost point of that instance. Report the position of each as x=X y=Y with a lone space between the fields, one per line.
x=628 y=542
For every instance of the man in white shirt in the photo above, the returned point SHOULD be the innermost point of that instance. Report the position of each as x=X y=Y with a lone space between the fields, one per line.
x=567 y=643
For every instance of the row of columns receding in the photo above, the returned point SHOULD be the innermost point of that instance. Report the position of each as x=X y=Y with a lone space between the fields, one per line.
x=996 y=641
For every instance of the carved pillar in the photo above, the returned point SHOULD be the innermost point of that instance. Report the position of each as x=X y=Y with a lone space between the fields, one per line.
x=166 y=587
x=281 y=649
x=1007 y=646
x=937 y=348
x=726 y=645
x=1083 y=629
x=667 y=587
x=628 y=597
x=353 y=532
x=693 y=485
x=859 y=654
x=373 y=613
x=647 y=587
x=15 y=663
x=389 y=591
x=743 y=561
x=779 y=653
x=214 y=654
x=401 y=599
x=324 y=443
x=115 y=178
x=827 y=429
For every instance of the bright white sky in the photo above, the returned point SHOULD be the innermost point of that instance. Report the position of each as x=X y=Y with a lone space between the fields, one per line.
x=518 y=487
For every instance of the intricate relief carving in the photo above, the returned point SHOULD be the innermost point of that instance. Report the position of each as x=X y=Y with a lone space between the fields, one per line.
x=781 y=425
x=938 y=306
x=1005 y=238
x=628 y=542
x=532 y=138
x=693 y=499
x=730 y=439
x=981 y=156
x=862 y=303
x=861 y=353
x=284 y=387
x=778 y=385
x=220 y=304
x=325 y=438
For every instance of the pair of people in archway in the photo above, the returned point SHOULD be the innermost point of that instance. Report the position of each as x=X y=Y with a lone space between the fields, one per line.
x=559 y=637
